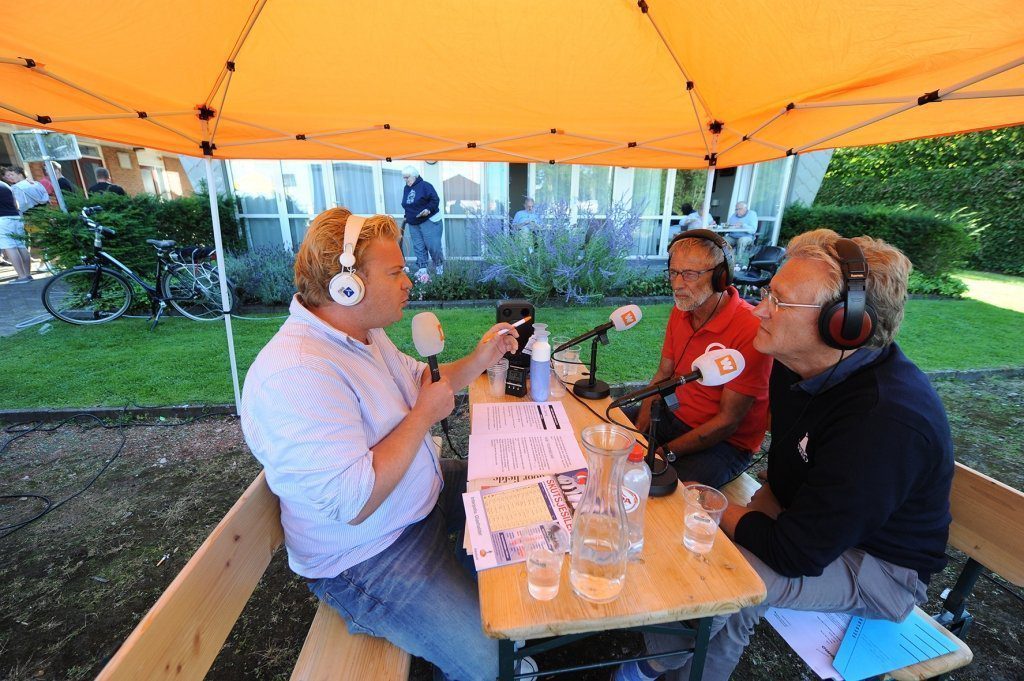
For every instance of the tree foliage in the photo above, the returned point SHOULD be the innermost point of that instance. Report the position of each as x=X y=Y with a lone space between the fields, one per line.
x=64 y=239
x=979 y=175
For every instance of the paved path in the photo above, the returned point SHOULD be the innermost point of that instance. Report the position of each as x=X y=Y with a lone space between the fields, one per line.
x=19 y=302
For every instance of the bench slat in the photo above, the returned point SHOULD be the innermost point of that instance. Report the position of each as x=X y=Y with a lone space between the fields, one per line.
x=988 y=523
x=331 y=653
x=182 y=634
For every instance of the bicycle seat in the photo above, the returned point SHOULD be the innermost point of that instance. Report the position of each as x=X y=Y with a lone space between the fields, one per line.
x=194 y=252
x=161 y=245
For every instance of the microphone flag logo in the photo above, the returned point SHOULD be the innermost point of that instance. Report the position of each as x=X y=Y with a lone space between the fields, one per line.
x=726 y=364
x=628 y=317
x=440 y=332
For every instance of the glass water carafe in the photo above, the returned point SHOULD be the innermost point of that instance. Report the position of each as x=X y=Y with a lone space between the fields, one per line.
x=600 y=538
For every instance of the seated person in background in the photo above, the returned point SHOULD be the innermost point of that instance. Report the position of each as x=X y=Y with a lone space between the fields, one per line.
x=340 y=420
x=854 y=514
x=743 y=229
x=525 y=216
x=711 y=436
x=103 y=183
x=691 y=218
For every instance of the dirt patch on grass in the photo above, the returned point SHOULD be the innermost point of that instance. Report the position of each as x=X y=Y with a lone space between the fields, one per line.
x=77 y=581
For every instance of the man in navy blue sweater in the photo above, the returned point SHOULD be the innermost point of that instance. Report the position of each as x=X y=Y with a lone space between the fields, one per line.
x=854 y=514
x=421 y=203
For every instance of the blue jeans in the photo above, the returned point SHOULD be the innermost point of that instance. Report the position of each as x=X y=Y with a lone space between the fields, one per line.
x=417 y=595
x=714 y=466
x=426 y=243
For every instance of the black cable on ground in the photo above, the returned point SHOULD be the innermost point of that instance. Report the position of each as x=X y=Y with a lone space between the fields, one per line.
x=20 y=430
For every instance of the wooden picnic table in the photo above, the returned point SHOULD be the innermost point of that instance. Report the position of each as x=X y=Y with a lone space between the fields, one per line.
x=667 y=584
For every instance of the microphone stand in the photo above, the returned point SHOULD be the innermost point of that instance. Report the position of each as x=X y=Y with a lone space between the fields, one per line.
x=591 y=388
x=665 y=480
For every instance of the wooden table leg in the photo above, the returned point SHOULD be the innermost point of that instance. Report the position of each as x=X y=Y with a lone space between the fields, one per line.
x=700 y=650
x=506 y=659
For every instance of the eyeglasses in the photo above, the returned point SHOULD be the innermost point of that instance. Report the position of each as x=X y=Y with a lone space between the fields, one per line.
x=687 y=275
x=774 y=303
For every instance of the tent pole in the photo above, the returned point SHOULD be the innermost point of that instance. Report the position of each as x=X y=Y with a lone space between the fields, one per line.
x=48 y=169
x=218 y=243
x=707 y=196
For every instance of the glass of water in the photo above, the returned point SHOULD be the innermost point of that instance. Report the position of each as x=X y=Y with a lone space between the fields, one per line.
x=704 y=508
x=544 y=564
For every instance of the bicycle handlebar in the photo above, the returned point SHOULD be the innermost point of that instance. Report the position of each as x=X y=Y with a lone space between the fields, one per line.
x=94 y=226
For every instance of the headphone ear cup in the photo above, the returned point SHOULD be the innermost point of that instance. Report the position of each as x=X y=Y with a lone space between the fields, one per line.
x=830 y=326
x=346 y=288
x=720 y=277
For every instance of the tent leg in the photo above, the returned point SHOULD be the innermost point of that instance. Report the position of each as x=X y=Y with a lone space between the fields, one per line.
x=218 y=243
x=707 y=196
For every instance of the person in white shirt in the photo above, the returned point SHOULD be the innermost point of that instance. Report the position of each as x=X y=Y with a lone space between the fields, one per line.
x=26 y=195
x=743 y=229
x=340 y=419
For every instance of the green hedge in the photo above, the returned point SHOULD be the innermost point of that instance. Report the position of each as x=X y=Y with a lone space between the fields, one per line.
x=980 y=173
x=935 y=245
x=64 y=239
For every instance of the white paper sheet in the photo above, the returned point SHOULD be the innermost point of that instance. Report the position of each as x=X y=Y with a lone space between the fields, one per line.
x=524 y=454
x=814 y=636
x=505 y=418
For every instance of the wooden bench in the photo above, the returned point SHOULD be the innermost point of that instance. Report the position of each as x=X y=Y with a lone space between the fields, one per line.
x=988 y=523
x=180 y=637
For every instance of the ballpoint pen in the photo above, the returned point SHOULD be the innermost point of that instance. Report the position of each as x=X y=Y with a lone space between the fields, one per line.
x=502 y=332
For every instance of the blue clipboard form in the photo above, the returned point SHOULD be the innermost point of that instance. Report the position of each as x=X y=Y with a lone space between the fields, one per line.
x=873 y=647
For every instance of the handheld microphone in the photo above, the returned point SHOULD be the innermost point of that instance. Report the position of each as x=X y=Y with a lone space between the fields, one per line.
x=717 y=366
x=428 y=338
x=625 y=317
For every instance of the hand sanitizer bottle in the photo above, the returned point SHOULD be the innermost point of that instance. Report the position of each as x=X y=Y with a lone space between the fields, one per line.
x=540 y=367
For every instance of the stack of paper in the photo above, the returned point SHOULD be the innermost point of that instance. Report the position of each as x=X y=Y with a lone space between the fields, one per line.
x=526 y=473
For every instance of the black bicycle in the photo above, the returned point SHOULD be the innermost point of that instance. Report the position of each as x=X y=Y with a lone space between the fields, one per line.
x=94 y=293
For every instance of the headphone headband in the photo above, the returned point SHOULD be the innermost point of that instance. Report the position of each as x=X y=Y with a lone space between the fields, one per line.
x=721 y=277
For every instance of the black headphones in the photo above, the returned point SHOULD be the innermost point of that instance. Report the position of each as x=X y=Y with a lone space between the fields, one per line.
x=721 y=277
x=848 y=322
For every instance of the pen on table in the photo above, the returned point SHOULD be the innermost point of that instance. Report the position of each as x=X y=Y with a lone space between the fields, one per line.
x=502 y=332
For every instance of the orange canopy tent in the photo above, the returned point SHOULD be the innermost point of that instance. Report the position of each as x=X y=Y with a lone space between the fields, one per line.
x=653 y=83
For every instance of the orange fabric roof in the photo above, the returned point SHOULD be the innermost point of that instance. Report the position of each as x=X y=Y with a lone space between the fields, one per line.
x=488 y=81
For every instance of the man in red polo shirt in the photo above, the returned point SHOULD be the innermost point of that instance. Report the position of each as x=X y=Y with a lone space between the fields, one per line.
x=711 y=436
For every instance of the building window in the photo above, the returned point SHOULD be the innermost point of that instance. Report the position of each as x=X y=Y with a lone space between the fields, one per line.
x=353 y=187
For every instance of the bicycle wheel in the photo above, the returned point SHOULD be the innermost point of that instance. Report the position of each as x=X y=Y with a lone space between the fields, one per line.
x=87 y=295
x=194 y=291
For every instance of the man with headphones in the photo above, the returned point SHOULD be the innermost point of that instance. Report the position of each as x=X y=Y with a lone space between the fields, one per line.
x=340 y=420
x=853 y=515
x=711 y=436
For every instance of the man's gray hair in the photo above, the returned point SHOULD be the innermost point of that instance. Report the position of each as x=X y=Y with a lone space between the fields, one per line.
x=410 y=171
x=888 y=270
x=712 y=253
x=102 y=174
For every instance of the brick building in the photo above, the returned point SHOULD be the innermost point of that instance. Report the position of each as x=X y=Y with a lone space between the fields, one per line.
x=137 y=169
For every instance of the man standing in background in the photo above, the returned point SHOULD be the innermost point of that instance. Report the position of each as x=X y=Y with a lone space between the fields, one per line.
x=421 y=204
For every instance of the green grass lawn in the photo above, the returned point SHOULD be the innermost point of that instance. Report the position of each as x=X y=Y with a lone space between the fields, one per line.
x=185 y=362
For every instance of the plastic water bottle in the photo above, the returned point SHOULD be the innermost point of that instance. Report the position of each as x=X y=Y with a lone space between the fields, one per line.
x=636 y=486
x=540 y=368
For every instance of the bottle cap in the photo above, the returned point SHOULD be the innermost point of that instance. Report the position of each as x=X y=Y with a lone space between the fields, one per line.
x=638 y=453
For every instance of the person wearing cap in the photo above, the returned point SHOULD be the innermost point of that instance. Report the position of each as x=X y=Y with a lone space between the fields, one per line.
x=421 y=204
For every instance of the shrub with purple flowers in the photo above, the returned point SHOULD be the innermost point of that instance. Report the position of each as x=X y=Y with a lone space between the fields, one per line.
x=577 y=261
x=264 y=275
